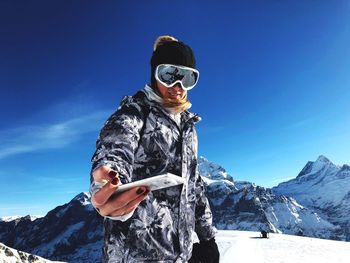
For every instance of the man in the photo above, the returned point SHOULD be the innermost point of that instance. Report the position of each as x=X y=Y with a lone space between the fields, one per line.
x=152 y=133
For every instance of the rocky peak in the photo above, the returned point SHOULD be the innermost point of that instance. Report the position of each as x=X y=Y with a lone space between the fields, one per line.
x=212 y=171
x=83 y=198
x=345 y=168
x=322 y=159
x=317 y=169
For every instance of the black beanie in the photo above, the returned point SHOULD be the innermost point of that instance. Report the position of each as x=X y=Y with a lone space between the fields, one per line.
x=172 y=52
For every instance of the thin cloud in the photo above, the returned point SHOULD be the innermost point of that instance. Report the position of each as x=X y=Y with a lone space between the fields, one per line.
x=302 y=123
x=42 y=137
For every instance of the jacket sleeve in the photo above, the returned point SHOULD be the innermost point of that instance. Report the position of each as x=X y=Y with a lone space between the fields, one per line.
x=204 y=218
x=118 y=140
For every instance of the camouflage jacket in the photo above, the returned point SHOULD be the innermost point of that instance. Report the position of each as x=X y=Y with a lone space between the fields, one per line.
x=141 y=140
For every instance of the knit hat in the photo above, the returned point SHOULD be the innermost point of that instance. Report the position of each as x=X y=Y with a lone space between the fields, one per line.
x=168 y=50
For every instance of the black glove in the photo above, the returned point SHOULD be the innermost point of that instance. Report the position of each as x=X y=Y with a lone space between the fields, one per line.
x=205 y=252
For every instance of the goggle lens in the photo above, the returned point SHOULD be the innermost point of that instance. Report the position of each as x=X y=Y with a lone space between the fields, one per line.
x=169 y=75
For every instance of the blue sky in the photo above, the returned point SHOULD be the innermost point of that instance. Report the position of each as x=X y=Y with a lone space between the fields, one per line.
x=273 y=94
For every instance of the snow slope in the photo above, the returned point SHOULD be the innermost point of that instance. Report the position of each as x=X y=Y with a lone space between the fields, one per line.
x=10 y=255
x=244 y=247
x=247 y=247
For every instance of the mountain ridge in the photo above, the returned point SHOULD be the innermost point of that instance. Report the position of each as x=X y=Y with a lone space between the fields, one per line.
x=73 y=231
x=323 y=187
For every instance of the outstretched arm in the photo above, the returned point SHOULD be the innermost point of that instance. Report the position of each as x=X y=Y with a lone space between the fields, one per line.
x=115 y=150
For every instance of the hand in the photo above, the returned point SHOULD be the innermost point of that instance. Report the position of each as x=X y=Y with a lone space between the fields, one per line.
x=110 y=204
x=205 y=252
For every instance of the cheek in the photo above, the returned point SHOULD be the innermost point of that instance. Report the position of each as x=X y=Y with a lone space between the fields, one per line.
x=162 y=90
x=163 y=93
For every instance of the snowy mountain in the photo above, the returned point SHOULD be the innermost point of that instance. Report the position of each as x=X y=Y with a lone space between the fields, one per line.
x=245 y=206
x=215 y=177
x=9 y=218
x=10 y=255
x=323 y=187
x=71 y=232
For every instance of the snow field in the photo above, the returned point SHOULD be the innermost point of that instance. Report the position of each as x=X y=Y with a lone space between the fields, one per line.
x=248 y=247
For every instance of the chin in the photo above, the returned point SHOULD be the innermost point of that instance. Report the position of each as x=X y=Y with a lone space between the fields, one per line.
x=176 y=99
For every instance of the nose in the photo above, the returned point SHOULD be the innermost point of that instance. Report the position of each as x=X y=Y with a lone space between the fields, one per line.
x=177 y=87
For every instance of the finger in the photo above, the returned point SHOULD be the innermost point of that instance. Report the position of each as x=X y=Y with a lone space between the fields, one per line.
x=104 y=174
x=122 y=200
x=136 y=201
x=130 y=207
x=102 y=196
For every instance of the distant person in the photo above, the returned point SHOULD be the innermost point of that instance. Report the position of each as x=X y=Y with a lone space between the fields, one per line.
x=264 y=234
x=153 y=133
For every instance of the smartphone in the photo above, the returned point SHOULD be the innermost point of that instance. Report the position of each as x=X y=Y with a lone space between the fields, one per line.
x=154 y=183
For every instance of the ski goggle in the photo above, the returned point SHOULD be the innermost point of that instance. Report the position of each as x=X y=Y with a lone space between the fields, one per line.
x=169 y=75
